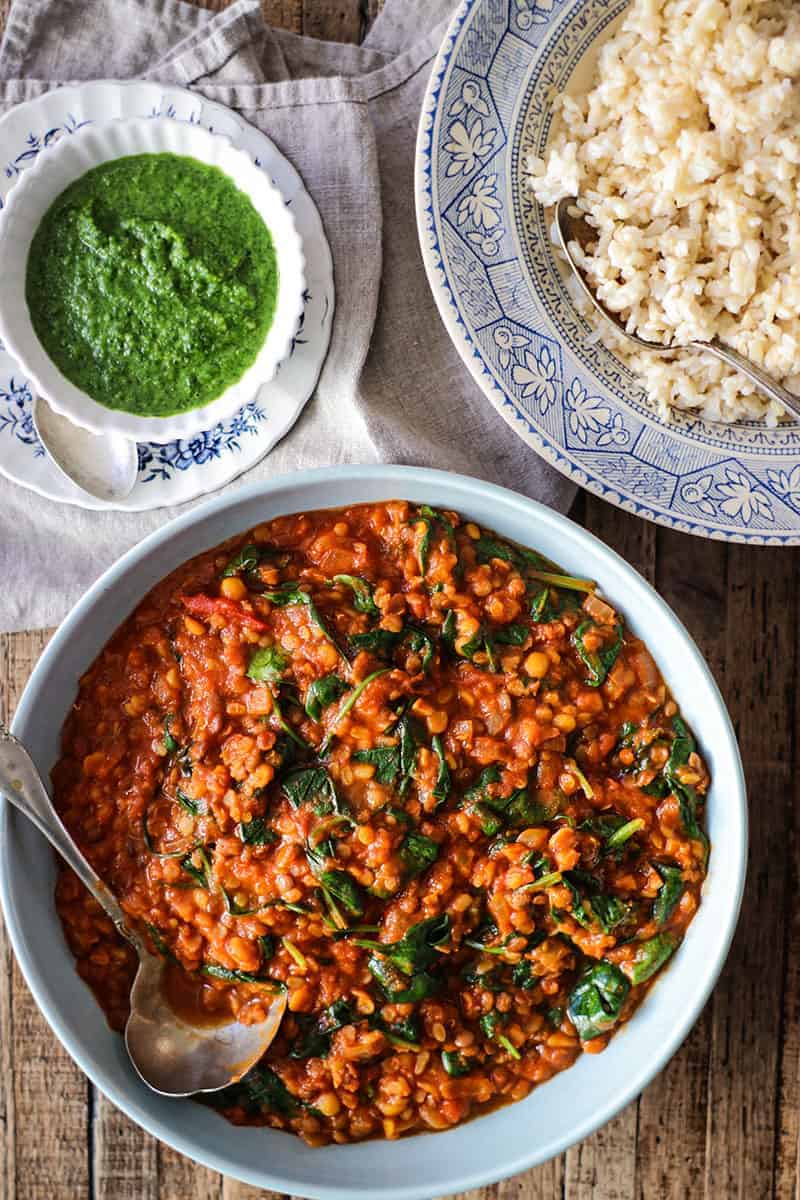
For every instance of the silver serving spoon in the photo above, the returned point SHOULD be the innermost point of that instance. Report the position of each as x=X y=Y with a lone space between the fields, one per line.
x=104 y=465
x=573 y=227
x=172 y=1056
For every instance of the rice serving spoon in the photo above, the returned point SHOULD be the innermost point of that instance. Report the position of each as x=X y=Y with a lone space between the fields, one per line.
x=573 y=227
x=172 y=1056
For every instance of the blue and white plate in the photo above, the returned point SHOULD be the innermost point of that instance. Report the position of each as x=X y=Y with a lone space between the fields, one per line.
x=177 y=471
x=505 y=302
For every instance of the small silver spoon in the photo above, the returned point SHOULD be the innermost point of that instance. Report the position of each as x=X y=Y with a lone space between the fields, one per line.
x=575 y=228
x=104 y=465
x=171 y=1055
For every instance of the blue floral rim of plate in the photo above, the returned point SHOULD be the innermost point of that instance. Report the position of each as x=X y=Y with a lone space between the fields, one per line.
x=491 y=267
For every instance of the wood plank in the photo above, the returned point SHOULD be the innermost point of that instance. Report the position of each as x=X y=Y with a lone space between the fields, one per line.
x=691 y=577
x=542 y=1183
x=787 y=1162
x=44 y=1095
x=180 y=1179
x=233 y=1190
x=334 y=20
x=758 y=680
x=125 y=1157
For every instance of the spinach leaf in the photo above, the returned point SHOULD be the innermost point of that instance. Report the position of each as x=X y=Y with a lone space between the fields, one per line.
x=669 y=893
x=542 y=610
x=323 y=692
x=391 y=762
x=267 y=664
x=455 y=1064
x=261 y=1090
x=417 y=948
x=430 y=517
x=607 y=910
x=247 y=559
x=284 y=725
x=404 y=1033
x=487 y=808
x=250 y=557
x=161 y=946
x=449 y=626
x=418 y=852
x=573 y=880
x=596 y=1001
x=683 y=746
x=657 y=787
x=385 y=760
x=398 y=987
x=347 y=704
x=380 y=642
x=311 y=785
x=287 y=594
x=421 y=643
x=170 y=744
x=510 y=635
x=617 y=839
x=652 y=955
x=256 y=832
x=523 y=810
x=315 y=1039
x=215 y=971
x=597 y=662
x=492 y=1022
x=363 y=599
x=604 y=824
x=336 y=883
x=523 y=976
x=343 y=888
x=195 y=807
x=441 y=789
x=202 y=875
x=610 y=911
x=488 y=547
x=487 y=639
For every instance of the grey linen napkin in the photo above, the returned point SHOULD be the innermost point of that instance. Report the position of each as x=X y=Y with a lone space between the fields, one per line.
x=393 y=388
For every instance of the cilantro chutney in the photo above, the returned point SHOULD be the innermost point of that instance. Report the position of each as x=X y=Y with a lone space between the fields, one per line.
x=151 y=283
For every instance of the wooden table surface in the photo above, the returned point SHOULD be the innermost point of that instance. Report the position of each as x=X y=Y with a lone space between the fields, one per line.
x=722 y=1121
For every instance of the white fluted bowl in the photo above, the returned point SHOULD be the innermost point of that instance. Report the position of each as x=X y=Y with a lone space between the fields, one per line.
x=42 y=183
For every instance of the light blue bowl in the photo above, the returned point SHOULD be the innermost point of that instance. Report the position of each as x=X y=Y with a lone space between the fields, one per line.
x=512 y=1139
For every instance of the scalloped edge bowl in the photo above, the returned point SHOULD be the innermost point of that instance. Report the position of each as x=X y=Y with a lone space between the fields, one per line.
x=42 y=183
x=555 y=1115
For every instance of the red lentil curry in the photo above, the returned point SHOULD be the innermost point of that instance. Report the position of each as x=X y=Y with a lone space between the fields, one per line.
x=406 y=771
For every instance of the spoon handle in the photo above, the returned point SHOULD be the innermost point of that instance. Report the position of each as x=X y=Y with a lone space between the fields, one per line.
x=763 y=382
x=21 y=784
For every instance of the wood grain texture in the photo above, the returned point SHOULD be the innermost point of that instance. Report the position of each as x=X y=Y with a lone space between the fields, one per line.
x=722 y=1121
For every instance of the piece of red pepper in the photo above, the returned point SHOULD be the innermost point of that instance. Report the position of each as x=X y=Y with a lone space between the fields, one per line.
x=200 y=605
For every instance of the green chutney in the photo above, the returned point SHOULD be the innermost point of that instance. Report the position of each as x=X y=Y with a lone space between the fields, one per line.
x=151 y=283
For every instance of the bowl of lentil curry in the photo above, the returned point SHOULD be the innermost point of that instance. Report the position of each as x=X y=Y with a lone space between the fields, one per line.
x=153 y=277
x=465 y=863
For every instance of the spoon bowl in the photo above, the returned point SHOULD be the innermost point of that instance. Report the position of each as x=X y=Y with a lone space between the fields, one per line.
x=173 y=1055
x=104 y=465
x=572 y=227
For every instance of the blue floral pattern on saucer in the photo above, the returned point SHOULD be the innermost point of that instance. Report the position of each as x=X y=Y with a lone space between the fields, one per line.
x=505 y=302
